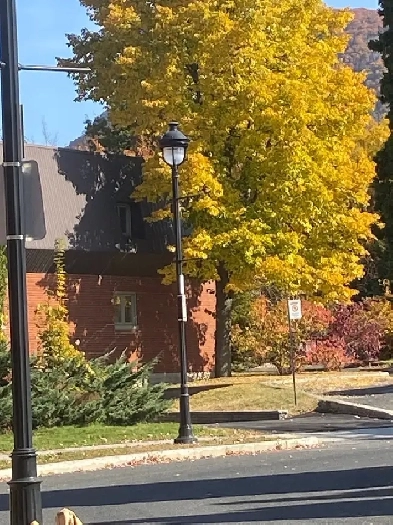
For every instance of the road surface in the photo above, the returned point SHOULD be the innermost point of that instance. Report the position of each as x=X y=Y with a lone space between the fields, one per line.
x=347 y=481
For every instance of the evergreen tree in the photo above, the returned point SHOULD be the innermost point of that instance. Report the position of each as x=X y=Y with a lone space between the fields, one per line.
x=382 y=250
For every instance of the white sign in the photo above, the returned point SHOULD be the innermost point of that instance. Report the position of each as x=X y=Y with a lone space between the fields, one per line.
x=294 y=309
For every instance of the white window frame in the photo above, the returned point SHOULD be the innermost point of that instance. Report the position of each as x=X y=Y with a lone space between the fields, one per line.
x=127 y=208
x=122 y=325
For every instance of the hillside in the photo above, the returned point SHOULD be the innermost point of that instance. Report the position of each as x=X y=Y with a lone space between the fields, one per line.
x=364 y=27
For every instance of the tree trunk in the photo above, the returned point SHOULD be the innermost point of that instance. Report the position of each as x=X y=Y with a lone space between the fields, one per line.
x=224 y=302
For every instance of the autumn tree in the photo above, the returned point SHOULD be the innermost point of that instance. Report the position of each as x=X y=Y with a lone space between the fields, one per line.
x=275 y=120
x=267 y=332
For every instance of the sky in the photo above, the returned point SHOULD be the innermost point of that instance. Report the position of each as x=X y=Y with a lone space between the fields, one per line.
x=48 y=98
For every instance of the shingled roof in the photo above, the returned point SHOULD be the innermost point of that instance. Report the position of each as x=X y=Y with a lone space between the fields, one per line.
x=72 y=195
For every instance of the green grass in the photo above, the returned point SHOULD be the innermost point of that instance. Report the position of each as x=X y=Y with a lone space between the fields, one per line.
x=69 y=437
x=135 y=439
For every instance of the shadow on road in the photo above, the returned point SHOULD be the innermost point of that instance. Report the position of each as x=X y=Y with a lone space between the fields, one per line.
x=358 y=392
x=296 y=496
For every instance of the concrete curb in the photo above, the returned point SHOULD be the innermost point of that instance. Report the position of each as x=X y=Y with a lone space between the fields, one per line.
x=208 y=418
x=164 y=456
x=337 y=406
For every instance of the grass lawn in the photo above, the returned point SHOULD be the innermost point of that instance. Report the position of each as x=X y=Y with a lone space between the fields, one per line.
x=325 y=382
x=253 y=392
x=133 y=439
x=251 y=395
x=241 y=392
x=69 y=437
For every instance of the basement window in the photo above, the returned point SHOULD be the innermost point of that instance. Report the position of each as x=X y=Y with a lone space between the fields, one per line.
x=125 y=311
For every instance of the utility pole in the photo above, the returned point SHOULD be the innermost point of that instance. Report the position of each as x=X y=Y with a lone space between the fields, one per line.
x=25 y=490
x=25 y=495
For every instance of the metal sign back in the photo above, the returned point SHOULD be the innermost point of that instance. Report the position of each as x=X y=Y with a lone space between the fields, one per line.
x=294 y=309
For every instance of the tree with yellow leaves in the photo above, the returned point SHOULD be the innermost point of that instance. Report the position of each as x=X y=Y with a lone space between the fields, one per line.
x=276 y=123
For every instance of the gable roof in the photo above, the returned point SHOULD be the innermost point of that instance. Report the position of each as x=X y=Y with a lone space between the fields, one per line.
x=72 y=195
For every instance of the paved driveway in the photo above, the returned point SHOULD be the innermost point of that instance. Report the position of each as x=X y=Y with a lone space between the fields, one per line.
x=376 y=396
x=312 y=423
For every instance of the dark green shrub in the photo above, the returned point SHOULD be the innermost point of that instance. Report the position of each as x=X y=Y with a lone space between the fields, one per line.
x=127 y=396
x=65 y=393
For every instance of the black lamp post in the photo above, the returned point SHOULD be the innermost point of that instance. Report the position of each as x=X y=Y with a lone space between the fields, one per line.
x=25 y=496
x=174 y=146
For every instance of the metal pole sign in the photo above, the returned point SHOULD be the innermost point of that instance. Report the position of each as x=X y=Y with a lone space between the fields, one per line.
x=294 y=309
x=294 y=314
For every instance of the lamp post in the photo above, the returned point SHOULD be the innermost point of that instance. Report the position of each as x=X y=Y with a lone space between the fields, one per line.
x=174 y=146
x=25 y=496
x=25 y=493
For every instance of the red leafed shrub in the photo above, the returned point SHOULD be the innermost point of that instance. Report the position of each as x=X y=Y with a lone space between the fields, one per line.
x=331 y=353
x=363 y=326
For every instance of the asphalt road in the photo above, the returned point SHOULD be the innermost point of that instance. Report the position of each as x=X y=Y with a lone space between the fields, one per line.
x=345 y=482
x=311 y=423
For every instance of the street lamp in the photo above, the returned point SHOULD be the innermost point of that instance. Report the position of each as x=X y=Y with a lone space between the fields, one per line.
x=174 y=146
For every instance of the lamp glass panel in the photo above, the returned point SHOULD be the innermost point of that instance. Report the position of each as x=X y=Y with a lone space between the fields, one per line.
x=173 y=156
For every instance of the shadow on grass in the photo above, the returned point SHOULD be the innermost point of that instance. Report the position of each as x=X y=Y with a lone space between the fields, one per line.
x=174 y=392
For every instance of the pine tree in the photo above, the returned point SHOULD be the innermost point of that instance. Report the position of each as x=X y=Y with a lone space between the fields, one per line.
x=382 y=250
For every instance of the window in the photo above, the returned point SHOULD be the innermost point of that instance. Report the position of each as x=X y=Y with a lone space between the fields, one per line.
x=124 y=212
x=125 y=311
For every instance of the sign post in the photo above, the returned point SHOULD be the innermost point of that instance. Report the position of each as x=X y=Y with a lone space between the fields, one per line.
x=294 y=314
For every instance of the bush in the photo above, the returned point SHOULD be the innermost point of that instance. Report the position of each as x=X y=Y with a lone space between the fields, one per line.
x=267 y=333
x=127 y=397
x=365 y=327
x=65 y=394
x=327 y=352
x=66 y=388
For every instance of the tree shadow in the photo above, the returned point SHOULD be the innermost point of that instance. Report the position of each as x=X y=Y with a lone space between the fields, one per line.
x=99 y=263
x=174 y=392
x=328 y=495
x=105 y=181
x=367 y=391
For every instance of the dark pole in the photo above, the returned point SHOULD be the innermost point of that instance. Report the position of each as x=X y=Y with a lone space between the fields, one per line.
x=292 y=349
x=25 y=496
x=185 y=430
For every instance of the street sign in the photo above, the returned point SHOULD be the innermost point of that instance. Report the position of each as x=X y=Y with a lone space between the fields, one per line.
x=294 y=309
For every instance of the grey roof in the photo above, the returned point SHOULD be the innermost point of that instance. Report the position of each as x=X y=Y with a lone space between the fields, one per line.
x=72 y=195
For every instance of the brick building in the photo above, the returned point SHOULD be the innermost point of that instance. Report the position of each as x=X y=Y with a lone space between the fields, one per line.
x=116 y=299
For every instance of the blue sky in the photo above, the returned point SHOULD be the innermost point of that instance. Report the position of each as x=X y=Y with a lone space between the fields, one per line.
x=49 y=97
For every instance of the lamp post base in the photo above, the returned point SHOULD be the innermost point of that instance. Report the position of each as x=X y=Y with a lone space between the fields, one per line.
x=186 y=434
x=25 y=495
x=185 y=437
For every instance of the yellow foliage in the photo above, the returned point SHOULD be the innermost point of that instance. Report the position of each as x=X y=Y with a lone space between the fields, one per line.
x=53 y=327
x=282 y=137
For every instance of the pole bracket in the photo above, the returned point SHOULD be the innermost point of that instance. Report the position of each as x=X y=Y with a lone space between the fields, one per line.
x=12 y=164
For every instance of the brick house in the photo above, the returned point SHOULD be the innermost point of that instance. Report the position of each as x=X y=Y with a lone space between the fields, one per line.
x=116 y=299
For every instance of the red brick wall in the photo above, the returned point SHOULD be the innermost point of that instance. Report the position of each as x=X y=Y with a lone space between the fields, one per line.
x=92 y=319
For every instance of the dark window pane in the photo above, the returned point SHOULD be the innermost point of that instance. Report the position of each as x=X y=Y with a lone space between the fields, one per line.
x=128 y=309
x=137 y=222
x=123 y=218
